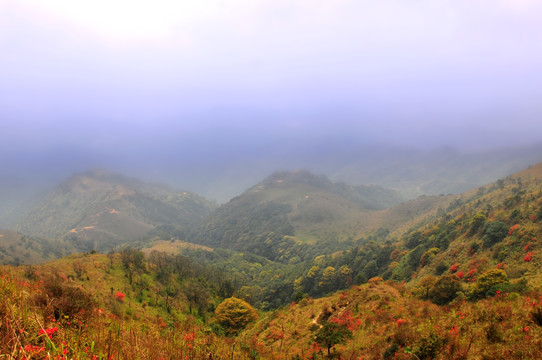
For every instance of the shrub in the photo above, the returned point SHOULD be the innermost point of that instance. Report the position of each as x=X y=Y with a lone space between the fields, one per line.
x=64 y=300
x=495 y=232
x=235 y=314
x=428 y=256
x=488 y=280
x=476 y=223
x=445 y=289
x=474 y=247
x=429 y=346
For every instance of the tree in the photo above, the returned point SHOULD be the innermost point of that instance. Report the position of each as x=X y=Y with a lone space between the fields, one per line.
x=495 y=232
x=133 y=261
x=476 y=222
x=345 y=276
x=328 y=279
x=423 y=290
x=487 y=280
x=445 y=289
x=331 y=334
x=235 y=314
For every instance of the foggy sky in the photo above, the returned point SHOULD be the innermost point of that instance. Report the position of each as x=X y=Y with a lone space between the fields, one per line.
x=210 y=84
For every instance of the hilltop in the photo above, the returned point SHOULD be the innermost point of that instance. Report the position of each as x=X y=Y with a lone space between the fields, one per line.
x=289 y=211
x=99 y=210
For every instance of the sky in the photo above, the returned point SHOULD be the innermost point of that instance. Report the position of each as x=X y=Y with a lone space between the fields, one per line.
x=211 y=84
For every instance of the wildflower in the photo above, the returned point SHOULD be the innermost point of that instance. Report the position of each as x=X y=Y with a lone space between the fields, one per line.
x=529 y=256
x=120 y=296
x=401 y=322
x=454 y=267
x=454 y=330
x=48 y=332
x=512 y=229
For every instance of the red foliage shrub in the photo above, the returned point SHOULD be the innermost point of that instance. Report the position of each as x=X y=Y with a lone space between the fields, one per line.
x=471 y=274
x=513 y=228
x=454 y=330
x=48 y=332
x=347 y=320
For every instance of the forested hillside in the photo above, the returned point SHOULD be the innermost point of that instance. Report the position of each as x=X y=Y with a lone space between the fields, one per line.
x=291 y=216
x=99 y=210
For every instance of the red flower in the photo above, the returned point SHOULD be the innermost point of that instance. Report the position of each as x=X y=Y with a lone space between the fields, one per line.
x=529 y=256
x=460 y=274
x=454 y=267
x=401 y=322
x=48 y=332
x=512 y=229
x=120 y=296
x=454 y=330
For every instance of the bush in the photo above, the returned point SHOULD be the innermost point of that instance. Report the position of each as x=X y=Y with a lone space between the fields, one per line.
x=495 y=232
x=64 y=300
x=476 y=223
x=429 y=346
x=445 y=289
x=235 y=314
x=487 y=281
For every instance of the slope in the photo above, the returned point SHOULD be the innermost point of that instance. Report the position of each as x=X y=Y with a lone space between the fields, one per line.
x=289 y=211
x=98 y=210
x=17 y=249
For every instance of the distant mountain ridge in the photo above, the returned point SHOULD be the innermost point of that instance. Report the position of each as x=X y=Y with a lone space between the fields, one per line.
x=99 y=209
x=288 y=211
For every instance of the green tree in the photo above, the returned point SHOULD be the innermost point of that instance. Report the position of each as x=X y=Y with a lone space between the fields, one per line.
x=133 y=261
x=423 y=290
x=328 y=279
x=428 y=256
x=344 y=276
x=331 y=334
x=445 y=289
x=476 y=223
x=487 y=280
x=495 y=232
x=234 y=314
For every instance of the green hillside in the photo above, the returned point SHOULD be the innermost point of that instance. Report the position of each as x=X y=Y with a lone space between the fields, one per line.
x=98 y=210
x=17 y=249
x=289 y=212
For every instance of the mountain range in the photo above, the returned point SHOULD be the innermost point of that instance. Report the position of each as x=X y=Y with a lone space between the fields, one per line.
x=437 y=277
x=99 y=210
